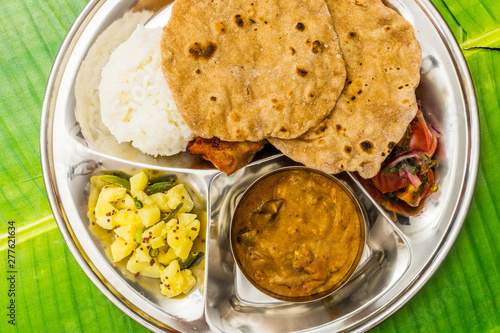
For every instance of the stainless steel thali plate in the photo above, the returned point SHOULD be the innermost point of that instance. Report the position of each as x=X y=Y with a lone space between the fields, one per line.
x=399 y=257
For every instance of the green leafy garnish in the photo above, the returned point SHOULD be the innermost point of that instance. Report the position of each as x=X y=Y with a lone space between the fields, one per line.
x=391 y=196
x=422 y=186
x=404 y=145
x=393 y=169
x=407 y=161
x=412 y=169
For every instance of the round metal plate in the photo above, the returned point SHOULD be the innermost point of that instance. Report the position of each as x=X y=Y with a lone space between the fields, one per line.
x=399 y=258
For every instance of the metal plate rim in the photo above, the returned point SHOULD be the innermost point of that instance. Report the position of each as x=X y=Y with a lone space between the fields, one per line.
x=427 y=271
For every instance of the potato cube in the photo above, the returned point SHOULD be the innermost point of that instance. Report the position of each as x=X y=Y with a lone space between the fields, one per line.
x=174 y=281
x=126 y=217
x=144 y=198
x=169 y=276
x=121 y=248
x=142 y=253
x=135 y=266
x=138 y=182
x=179 y=242
x=189 y=280
x=96 y=186
x=127 y=232
x=154 y=231
x=185 y=218
x=161 y=201
x=126 y=202
x=149 y=214
x=142 y=263
x=155 y=236
x=170 y=225
x=112 y=193
x=104 y=213
x=152 y=271
x=158 y=242
x=178 y=194
x=104 y=209
x=189 y=222
x=166 y=258
x=105 y=222
x=193 y=229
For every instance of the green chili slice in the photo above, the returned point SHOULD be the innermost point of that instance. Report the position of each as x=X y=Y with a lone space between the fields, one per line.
x=138 y=203
x=172 y=214
x=153 y=253
x=115 y=180
x=158 y=188
x=190 y=260
x=138 y=235
x=198 y=260
x=168 y=178
x=117 y=173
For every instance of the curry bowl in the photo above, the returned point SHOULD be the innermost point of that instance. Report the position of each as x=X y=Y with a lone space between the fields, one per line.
x=297 y=234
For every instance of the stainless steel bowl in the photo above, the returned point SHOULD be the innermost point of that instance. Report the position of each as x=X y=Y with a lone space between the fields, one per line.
x=250 y=191
x=399 y=258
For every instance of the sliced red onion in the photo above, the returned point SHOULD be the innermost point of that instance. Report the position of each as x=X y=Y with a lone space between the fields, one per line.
x=402 y=176
x=419 y=155
x=420 y=116
x=415 y=181
x=434 y=131
x=431 y=128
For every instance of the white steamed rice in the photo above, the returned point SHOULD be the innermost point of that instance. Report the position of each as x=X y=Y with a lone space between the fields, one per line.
x=136 y=103
x=88 y=79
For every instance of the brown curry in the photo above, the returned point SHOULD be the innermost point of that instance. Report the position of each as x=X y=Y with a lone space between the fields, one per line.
x=297 y=233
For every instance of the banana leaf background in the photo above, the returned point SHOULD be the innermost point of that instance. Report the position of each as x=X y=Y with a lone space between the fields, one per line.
x=53 y=294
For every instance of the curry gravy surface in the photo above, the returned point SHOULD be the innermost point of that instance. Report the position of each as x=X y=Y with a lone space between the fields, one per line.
x=297 y=233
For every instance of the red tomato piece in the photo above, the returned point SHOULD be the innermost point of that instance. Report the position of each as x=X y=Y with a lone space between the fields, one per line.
x=389 y=181
x=421 y=138
x=412 y=196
